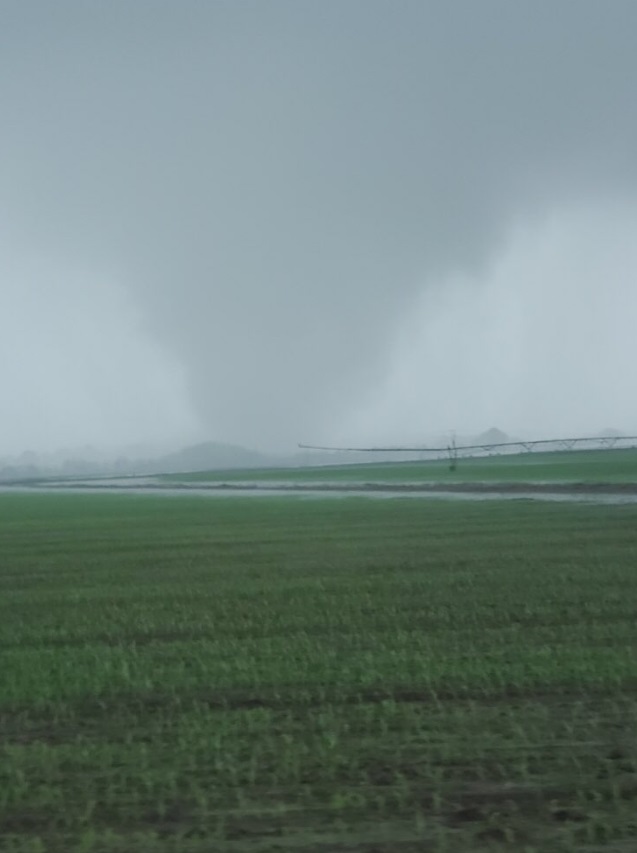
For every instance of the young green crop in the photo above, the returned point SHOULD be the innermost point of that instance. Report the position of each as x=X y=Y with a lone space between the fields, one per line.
x=582 y=466
x=195 y=675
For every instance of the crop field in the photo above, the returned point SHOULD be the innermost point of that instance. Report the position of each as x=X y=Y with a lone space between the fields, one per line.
x=583 y=466
x=284 y=674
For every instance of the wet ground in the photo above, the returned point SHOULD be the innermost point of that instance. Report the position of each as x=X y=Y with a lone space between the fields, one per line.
x=598 y=493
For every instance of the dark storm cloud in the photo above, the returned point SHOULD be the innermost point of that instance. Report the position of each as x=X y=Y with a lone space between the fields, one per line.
x=276 y=182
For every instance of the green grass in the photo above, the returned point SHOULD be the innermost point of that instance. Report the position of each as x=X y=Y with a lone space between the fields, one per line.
x=300 y=675
x=608 y=466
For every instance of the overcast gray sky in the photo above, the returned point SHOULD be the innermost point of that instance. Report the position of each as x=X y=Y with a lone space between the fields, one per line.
x=338 y=220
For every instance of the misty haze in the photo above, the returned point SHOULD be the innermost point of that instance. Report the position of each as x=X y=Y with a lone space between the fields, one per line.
x=271 y=223
x=318 y=426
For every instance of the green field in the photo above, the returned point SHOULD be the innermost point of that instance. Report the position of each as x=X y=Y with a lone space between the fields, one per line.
x=183 y=674
x=594 y=466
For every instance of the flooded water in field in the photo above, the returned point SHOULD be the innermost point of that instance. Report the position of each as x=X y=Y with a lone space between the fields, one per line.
x=326 y=493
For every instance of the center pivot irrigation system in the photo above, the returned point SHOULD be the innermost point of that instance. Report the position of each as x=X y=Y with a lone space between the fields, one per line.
x=454 y=451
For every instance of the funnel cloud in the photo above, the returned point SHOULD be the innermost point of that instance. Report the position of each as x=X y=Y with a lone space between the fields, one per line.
x=266 y=223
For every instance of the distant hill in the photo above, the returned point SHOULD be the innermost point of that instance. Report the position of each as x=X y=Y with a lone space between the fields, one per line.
x=492 y=436
x=210 y=455
x=609 y=432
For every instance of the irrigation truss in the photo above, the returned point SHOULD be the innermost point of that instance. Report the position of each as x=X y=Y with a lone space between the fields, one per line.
x=456 y=451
